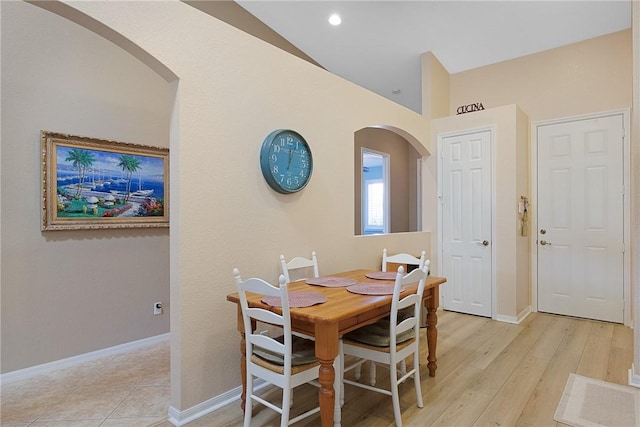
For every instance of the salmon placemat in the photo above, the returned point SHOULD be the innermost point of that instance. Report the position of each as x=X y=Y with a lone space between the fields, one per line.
x=366 y=288
x=382 y=275
x=331 y=281
x=297 y=299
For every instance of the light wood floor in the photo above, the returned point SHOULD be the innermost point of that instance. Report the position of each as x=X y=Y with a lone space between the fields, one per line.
x=489 y=374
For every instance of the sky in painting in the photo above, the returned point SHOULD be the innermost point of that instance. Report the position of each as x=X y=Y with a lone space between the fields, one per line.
x=107 y=162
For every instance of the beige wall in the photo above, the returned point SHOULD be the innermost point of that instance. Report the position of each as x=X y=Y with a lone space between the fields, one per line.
x=223 y=213
x=510 y=180
x=66 y=293
x=581 y=78
x=435 y=87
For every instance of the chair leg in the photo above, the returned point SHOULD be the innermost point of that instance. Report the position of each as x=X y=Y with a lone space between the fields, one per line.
x=416 y=380
x=341 y=372
x=248 y=406
x=372 y=372
x=356 y=371
x=395 y=397
x=337 y=386
x=287 y=398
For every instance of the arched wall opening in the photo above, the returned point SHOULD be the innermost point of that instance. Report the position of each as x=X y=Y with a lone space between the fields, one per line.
x=404 y=153
x=128 y=269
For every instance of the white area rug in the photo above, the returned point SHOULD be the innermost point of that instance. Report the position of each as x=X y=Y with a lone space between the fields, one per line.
x=587 y=402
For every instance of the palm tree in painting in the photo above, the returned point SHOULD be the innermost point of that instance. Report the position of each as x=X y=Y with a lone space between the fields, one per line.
x=129 y=165
x=81 y=160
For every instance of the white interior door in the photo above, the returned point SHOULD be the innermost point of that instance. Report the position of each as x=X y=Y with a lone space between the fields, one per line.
x=581 y=218
x=466 y=222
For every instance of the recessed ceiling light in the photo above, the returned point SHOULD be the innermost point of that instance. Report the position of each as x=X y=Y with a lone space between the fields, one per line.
x=335 y=19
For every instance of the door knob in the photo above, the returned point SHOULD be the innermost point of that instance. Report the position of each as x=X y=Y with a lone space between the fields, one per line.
x=544 y=243
x=543 y=231
x=483 y=243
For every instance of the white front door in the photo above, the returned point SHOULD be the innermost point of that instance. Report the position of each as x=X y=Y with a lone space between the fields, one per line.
x=466 y=208
x=580 y=236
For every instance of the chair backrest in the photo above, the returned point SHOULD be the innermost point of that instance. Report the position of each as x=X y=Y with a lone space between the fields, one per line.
x=299 y=263
x=403 y=258
x=411 y=321
x=249 y=314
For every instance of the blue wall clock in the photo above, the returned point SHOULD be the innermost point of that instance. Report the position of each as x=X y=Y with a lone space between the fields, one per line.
x=286 y=161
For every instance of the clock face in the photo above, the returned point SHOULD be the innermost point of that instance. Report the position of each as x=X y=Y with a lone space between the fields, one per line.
x=286 y=161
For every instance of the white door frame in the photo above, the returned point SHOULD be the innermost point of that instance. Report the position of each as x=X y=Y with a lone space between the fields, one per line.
x=626 y=201
x=441 y=136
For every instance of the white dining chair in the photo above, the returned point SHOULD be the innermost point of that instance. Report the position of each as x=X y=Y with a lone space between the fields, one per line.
x=390 y=341
x=403 y=258
x=399 y=258
x=286 y=362
x=300 y=265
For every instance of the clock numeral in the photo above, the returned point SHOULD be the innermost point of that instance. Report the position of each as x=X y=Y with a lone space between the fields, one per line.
x=274 y=158
x=274 y=169
x=276 y=148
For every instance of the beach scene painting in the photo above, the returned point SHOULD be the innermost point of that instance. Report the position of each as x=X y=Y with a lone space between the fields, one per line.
x=90 y=183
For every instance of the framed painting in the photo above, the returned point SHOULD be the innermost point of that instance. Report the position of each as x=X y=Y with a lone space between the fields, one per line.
x=90 y=183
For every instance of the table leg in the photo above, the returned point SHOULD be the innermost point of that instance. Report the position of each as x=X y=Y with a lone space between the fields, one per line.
x=432 y=339
x=326 y=351
x=432 y=332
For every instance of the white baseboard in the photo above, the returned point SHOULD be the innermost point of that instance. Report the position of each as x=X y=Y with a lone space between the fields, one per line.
x=514 y=319
x=46 y=368
x=178 y=418
x=634 y=380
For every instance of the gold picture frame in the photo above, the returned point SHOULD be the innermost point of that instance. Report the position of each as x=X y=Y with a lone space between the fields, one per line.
x=90 y=183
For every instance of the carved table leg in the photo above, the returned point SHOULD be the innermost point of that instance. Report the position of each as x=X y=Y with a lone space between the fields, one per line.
x=327 y=393
x=326 y=352
x=432 y=339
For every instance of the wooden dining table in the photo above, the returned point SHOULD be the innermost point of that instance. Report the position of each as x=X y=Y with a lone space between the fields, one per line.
x=343 y=312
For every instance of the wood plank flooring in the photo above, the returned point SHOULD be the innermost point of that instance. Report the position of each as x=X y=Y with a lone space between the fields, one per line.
x=489 y=374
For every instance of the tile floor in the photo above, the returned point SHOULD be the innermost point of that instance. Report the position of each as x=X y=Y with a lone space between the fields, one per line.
x=128 y=389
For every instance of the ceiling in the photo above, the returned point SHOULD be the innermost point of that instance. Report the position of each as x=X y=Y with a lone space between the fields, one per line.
x=379 y=43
